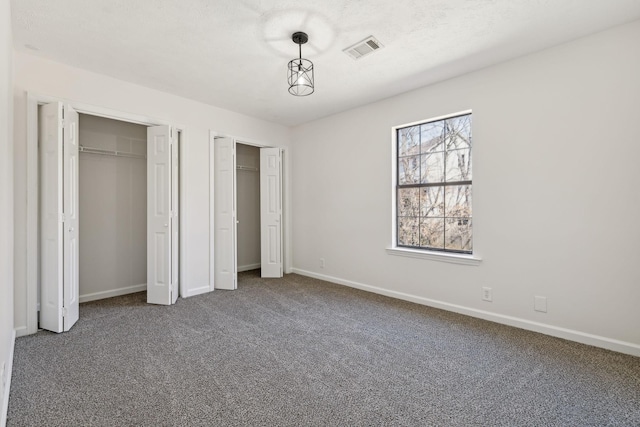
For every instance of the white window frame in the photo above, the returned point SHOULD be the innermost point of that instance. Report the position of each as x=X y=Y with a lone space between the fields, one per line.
x=434 y=255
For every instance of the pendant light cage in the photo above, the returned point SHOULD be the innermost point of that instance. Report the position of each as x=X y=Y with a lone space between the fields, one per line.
x=300 y=70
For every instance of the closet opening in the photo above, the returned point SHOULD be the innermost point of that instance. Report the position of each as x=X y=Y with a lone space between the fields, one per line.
x=113 y=208
x=247 y=213
x=248 y=206
x=106 y=210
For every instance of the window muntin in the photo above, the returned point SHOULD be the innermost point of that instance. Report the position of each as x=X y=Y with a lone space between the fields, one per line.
x=434 y=185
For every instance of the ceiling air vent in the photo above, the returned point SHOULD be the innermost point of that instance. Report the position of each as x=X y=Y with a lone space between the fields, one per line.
x=365 y=47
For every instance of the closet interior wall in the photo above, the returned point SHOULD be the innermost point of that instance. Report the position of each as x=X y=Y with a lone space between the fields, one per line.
x=248 y=206
x=113 y=207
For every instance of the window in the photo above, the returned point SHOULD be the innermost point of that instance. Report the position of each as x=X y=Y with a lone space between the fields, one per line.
x=433 y=185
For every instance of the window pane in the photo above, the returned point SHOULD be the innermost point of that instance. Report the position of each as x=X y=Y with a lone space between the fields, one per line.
x=432 y=233
x=459 y=165
x=432 y=167
x=434 y=159
x=432 y=137
x=457 y=201
x=408 y=229
x=458 y=132
x=458 y=234
x=409 y=170
x=409 y=141
x=432 y=202
x=408 y=202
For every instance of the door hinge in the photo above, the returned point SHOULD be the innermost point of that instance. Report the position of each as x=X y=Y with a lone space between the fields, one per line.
x=62 y=218
x=64 y=312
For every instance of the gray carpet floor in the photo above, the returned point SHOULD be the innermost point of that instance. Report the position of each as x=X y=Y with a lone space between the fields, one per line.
x=302 y=352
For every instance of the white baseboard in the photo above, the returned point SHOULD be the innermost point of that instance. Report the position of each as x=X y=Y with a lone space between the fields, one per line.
x=196 y=291
x=21 y=331
x=113 y=293
x=555 y=331
x=7 y=385
x=242 y=268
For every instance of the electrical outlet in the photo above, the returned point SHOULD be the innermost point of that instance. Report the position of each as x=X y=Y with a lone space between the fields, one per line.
x=321 y=262
x=540 y=304
x=487 y=294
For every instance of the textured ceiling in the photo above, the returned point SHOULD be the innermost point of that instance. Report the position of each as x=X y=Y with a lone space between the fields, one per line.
x=234 y=53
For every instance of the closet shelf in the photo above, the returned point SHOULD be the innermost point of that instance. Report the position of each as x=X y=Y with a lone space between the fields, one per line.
x=247 y=168
x=90 y=150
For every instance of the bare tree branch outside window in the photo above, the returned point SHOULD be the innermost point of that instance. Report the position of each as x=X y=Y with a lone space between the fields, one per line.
x=434 y=185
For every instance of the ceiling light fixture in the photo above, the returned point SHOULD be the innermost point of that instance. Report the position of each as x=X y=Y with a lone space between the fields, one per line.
x=300 y=69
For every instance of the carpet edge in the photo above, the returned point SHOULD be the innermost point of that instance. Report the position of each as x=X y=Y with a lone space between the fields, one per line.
x=543 y=328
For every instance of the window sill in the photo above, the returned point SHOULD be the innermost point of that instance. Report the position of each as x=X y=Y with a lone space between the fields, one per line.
x=436 y=256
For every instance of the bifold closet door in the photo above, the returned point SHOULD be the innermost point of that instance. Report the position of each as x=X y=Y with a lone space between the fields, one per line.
x=160 y=289
x=225 y=232
x=58 y=211
x=271 y=212
x=175 y=221
x=71 y=201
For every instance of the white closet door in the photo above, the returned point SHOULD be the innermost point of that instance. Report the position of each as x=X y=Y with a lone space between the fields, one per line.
x=71 y=288
x=226 y=274
x=50 y=212
x=271 y=212
x=175 y=222
x=159 y=224
x=58 y=154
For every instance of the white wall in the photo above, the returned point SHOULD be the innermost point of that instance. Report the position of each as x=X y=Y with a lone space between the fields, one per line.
x=248 y=206
x=59 y=80
x=556 y=204
x=6 y=212
x=113 y=209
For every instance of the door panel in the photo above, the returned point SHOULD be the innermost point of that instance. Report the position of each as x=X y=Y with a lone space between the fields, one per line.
x=271 y=212
x=225 y=267
x=175 y=222
x=71 y=221
x=50 y=212
x=159 y=224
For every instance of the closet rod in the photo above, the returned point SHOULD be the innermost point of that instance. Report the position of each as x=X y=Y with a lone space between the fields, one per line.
x=90 y=150
x=247 y=168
